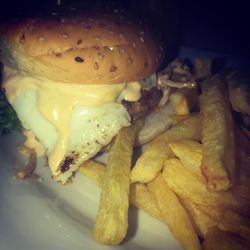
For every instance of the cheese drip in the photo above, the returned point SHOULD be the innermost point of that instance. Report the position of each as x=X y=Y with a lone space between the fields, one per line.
x=59 y=114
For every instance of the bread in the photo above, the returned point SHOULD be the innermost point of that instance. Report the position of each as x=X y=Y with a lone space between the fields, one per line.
x=87 y=48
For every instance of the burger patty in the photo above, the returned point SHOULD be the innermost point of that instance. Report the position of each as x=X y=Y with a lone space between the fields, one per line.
x=148 y=101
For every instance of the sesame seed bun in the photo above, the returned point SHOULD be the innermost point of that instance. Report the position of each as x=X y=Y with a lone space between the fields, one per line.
x=87 y=48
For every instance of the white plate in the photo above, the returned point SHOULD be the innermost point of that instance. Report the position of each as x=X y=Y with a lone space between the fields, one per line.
x=46 y=215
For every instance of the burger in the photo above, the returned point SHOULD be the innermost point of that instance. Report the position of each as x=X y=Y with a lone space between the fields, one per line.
x=75 y=79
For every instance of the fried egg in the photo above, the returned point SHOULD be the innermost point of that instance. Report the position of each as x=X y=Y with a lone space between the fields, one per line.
x=72 y=121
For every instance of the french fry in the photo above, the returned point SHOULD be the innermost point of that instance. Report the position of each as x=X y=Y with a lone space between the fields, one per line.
x=183 y=100
x=236 y=222
x=217 y=239
x=190 y=186
x=94 y=170
x=179 y=118
x=201 y=221
x=189 y=152
x=242 y=182
x=218 y=156
x=173 y=214
x=139 y=195
x=239 y=99
x=228 y=220
x=112 y=216
x=239 y=90
x=222 y=207
x=152 y=160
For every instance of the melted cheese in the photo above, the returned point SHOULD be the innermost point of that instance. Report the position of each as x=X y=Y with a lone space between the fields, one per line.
x=53 y=105
x=132 y=92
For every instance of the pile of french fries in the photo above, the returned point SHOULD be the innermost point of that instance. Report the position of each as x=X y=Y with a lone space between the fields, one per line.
x=195 y=176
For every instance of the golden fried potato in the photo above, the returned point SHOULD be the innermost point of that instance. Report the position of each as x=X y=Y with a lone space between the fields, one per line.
x=218 y=155
x=152 y=160
x=235 y=222
x=239 y=90
x=173 y=214
x=94 y=170
x=243 y=163
x=192 y=187
x=140 y=197
x=183 y=100
x=179 y=118
x=217 y=239
x=201 y=221
x=189 y=152
x=229 y=220
x=112 y=217
x=238 y=97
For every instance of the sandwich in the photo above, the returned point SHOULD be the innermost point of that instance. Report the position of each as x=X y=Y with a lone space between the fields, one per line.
x=75 y=79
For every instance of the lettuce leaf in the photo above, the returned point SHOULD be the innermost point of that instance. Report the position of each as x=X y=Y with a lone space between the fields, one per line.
x=8 y=117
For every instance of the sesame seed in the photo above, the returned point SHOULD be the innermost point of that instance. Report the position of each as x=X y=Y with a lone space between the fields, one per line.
x=79 y=41
x=121 y=51
x=41 y=39
x=98 y=38
x=142 y=39
x=79 y=59
x=100 y=56
x=113 y=68
x=65 y=35
x=22 y=38
x=130 y=60
x=96 y=66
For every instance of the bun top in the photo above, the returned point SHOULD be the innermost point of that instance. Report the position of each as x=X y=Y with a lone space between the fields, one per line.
x=82 y=47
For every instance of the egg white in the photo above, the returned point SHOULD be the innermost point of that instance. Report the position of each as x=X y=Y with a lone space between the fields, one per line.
x=90 y=128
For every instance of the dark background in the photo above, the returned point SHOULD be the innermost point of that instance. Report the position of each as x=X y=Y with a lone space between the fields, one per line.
x=219 y=26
